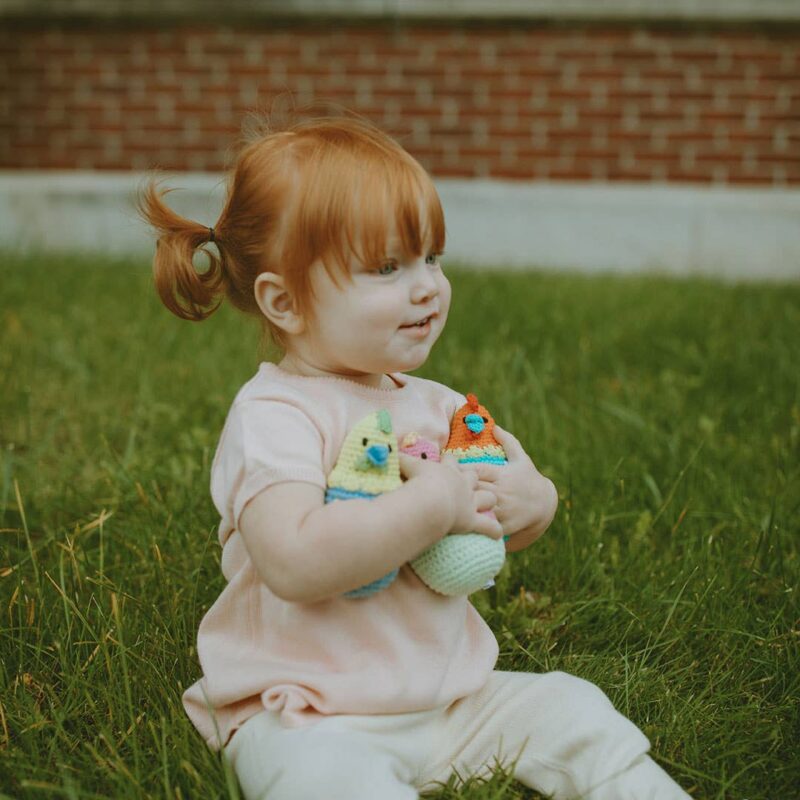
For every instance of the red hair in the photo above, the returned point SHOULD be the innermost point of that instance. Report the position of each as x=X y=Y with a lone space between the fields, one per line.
x=326 y=189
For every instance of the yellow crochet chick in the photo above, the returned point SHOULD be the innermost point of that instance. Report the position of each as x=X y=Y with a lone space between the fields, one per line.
x=368 y=465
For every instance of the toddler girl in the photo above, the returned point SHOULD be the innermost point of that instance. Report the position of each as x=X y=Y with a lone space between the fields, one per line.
x=332 y=233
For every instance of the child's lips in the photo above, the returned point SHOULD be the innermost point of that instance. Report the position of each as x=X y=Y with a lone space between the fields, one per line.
x=417 y=331
x=416 y=324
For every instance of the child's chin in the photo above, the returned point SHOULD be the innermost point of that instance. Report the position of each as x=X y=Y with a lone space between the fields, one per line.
x=409 y=360
x=410 y=363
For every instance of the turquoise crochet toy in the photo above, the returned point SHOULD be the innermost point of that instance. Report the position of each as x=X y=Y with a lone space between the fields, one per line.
x=465 y=562
x=368 y=465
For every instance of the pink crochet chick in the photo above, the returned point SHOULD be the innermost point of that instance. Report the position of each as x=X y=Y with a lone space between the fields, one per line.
x=414 y=445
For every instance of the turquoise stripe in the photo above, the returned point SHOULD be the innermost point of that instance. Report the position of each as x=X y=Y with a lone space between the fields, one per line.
x=375 y=586
x=483 y=460
x=337 y=493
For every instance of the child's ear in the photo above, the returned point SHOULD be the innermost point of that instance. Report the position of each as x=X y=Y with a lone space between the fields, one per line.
x=276 y=303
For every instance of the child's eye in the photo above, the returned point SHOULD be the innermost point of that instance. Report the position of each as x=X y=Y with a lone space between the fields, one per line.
x=387 y=268
x=432 y=258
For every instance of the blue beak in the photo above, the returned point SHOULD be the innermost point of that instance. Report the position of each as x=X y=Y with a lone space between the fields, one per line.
x=475 y=423
x=377 y=455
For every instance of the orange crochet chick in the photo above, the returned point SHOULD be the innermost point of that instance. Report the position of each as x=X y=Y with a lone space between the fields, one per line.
x=471 y=437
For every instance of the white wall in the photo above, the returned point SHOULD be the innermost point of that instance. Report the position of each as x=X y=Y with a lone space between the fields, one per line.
x=739 y=234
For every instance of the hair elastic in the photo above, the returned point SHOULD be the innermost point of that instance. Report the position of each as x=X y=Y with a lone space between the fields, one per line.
x=210 y=234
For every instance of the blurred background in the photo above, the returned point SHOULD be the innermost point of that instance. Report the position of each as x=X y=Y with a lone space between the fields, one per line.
x=572 y=136
x=589 y=134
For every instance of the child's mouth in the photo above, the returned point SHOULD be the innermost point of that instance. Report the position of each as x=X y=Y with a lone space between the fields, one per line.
x=421 y=324
x=420 y=329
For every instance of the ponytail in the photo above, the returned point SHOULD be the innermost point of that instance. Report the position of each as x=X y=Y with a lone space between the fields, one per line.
x=187 y=293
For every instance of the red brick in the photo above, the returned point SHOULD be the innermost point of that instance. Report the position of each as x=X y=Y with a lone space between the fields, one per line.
x=554 y=102
x=530 y=153
x=519 y=171
x=698 y=174
x=535 y=70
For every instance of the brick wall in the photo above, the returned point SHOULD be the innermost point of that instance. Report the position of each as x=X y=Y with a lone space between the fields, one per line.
x=524 y=100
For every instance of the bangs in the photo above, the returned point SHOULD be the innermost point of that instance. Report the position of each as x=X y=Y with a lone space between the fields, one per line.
x=359 y=195
x=400 y=202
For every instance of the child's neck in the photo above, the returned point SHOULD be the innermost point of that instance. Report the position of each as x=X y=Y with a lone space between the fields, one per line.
x=297 y=366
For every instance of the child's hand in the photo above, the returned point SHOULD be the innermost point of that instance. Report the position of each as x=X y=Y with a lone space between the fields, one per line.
x=526 y=499
x=457 y=488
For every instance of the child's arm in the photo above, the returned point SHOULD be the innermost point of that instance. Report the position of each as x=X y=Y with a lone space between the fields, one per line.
x=306 y=550
x=526 y=499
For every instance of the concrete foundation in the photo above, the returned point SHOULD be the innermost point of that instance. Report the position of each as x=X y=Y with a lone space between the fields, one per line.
x=730 y=233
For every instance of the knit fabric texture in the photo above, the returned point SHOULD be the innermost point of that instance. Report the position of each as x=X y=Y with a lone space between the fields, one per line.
x=462 y=563
x=368 y=465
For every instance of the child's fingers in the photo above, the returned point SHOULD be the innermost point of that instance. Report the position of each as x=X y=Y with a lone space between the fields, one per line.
x=514 y=450
x=485 y=472
x=488 y=526
x=410 y=466
x=485 y=500
x=449 y=458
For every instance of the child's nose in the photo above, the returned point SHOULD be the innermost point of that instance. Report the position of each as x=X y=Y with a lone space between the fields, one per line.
x=425 y=285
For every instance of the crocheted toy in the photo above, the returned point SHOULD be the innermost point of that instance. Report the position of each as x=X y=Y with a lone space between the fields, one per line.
x=368 y=465
x=462 y=563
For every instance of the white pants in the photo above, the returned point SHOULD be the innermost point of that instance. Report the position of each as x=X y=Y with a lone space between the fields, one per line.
x=561 y=734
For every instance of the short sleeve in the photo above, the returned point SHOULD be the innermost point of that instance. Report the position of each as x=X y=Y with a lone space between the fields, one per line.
x=449 y=400
x=264 y=442
x=455 y=400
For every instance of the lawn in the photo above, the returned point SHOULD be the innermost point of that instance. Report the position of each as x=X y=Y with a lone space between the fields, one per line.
x=667 y=412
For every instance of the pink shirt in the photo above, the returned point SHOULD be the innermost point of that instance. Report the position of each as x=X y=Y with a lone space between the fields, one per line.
x=403 y=649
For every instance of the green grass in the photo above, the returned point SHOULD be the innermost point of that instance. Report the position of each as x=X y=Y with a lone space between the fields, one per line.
x=666 y=411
